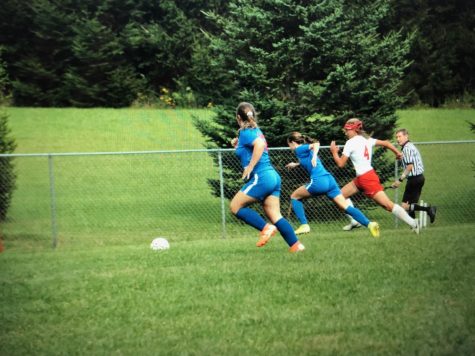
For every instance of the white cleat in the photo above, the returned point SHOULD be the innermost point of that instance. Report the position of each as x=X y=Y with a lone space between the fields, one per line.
x=416 y=229
x=351 y=226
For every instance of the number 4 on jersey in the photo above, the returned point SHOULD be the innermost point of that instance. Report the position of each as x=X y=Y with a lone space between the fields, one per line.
x=366 y=152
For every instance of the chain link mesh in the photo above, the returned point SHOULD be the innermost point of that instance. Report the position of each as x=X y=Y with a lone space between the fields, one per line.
x=134 y=197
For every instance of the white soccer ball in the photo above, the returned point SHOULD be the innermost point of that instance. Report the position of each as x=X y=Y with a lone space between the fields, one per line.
x=159 y=243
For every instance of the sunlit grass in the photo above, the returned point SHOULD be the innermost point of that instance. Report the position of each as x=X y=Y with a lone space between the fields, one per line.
x=402 y=294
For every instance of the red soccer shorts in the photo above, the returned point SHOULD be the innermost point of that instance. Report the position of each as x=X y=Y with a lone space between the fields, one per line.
x=368 y=183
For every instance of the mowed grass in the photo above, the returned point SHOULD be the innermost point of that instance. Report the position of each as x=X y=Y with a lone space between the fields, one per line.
x=346 y=294
x=110 y=198
x=437 y=124
x=55 y=130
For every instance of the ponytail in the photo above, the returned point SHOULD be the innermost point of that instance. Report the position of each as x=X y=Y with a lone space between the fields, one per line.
x=297 y=137
x=247 y=114
x=308 y=139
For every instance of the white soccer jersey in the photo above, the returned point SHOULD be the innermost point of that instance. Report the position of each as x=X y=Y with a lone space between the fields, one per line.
x=360 y=151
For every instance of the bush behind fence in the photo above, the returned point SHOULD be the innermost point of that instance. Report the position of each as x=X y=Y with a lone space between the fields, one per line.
x=122 y=198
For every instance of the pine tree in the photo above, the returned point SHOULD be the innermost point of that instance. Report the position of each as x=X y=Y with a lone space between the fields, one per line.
x=7 y=173
x=7 y=145
x=443 y=54
x=306 y=66
x=99 y=75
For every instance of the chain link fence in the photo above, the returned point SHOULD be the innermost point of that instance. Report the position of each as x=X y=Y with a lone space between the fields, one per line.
x=132 y=197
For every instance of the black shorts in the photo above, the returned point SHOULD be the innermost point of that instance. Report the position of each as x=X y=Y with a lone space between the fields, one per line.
x=413 y=190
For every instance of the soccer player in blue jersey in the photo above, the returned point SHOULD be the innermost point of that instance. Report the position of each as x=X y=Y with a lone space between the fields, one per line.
x=321 y=182
x=263 y=182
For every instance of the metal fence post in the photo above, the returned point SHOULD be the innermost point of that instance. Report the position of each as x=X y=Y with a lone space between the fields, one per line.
x=221 y=190
x=52 y=200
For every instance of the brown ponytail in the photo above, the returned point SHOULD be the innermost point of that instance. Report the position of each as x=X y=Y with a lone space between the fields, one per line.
x=247 y=114
x=297 y=137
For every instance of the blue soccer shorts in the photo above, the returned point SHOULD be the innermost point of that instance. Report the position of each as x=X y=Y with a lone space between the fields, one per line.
x=324 y=185
x=262 y=184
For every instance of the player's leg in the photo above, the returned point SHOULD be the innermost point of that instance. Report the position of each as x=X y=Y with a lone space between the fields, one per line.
x=297 y=205
x=272 y=210
x=348 y=190
x=383 y=200
x=350 y=210
x=355 y=213
x=239 y=208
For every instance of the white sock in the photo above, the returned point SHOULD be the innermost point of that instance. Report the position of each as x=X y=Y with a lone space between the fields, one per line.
x=352 y=221
x=403 y=215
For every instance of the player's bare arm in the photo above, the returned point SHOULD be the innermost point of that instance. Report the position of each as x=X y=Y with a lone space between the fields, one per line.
x=390 y=146
x=340 y=161
x=315 y=147
x=292 y=165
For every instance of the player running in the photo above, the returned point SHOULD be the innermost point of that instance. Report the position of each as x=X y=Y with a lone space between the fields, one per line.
x=263 y=182
x=321 y=182
x=359 y=148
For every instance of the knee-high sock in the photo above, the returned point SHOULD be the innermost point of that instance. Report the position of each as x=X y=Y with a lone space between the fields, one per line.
x=286 y=231
x=353 y=221
x=299 y=210
x=251 y=217
x=403 y=215
x=357 y=215
x=416 y=207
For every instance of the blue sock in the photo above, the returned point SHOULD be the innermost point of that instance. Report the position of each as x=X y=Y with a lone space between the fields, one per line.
x=299 y=210
x=252 y=218
x=356 y=214
x=286 y=231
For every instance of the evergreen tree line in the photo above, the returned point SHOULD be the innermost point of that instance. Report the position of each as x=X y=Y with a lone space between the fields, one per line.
x=114 y=53
x=308 y=67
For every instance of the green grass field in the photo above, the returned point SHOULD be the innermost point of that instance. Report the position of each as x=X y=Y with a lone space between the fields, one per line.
x=347 y=294
x=437 y=124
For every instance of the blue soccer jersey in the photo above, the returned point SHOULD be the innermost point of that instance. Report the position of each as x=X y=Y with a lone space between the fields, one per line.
x=245 y=148
x=264 y=180
x=321 y=181
x=304 y=154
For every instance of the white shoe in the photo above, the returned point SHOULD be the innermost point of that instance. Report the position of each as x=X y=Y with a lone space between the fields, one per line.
x=351 y=226
x=416 y=229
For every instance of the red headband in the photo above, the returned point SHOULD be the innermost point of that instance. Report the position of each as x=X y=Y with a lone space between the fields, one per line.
x=355 y=125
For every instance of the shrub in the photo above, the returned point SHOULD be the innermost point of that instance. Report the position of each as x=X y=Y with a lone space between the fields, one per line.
x=7 y=173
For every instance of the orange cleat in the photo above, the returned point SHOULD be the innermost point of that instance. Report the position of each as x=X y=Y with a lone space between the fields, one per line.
x=297 y=247
x=267 y=232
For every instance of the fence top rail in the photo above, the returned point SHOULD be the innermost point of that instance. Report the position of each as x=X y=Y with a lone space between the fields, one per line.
x=185 y=151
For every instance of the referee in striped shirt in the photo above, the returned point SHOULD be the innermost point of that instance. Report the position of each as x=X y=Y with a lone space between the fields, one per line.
x=414 y=172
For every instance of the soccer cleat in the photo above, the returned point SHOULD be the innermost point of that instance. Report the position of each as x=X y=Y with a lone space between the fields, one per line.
x=374 y=229
x=303 y=229
x=351 y=226
x=432 y=211
x=416 y=229
x=297 y=247
x=267 y=232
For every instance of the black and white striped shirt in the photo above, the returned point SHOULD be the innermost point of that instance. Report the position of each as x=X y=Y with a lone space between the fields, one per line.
x=412 y=156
